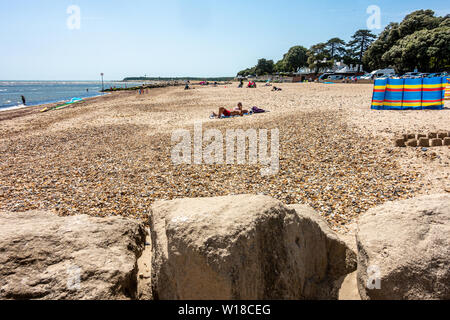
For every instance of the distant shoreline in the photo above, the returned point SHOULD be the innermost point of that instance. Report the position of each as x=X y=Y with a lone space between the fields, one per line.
x=178 y=79
x=45 y=92
x=45 y=103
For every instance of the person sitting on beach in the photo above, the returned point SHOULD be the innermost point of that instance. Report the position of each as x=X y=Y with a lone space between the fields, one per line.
x=251 y=84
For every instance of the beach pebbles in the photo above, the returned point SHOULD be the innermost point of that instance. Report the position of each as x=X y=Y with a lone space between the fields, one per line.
x=112 y=156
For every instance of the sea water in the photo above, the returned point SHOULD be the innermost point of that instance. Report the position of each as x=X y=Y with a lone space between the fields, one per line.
x=41 y=92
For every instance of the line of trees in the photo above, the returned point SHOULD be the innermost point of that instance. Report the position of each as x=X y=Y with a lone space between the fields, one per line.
x=177 y=79
x=421 y=40
x=319 y=56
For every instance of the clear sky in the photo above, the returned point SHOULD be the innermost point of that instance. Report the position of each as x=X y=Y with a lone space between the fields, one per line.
x=173 y=37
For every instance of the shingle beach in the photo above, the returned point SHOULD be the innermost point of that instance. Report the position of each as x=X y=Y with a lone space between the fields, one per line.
x=112 y=155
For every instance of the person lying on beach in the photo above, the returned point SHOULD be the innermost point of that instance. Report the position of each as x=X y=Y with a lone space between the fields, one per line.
x=276 y=89
x=224 y=112
x=239 y=108
x=237 y=111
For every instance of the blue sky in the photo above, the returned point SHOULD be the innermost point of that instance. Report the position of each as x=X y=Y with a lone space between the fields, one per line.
x=173 y=37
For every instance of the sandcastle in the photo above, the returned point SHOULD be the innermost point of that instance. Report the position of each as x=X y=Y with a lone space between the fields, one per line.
x=432 y=139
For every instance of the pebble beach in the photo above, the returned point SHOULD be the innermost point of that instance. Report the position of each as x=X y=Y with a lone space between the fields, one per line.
x=111 y=155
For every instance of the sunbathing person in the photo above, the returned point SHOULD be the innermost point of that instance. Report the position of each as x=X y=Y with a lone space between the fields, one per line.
x=224 y=112
x=237 y=111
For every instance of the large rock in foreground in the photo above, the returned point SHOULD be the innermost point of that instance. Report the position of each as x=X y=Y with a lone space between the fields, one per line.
x=243 y=247
x=43 y=256
x=404 y=250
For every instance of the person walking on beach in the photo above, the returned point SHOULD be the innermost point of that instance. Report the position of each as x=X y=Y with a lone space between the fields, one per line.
x=24 y=102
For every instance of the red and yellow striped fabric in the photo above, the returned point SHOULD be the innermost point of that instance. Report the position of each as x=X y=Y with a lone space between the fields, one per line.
x=447 y=91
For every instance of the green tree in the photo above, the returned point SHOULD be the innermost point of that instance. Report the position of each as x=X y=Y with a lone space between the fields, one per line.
x=428 y=50
x=349 y=58
x=247 y=72
x=280 y=66
x=336 y=47
x=418 y=20
x=264 y=67
x=296 y=57
x=361 y=41
x=373 y=56
x=319 y=57
x=395 y=44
